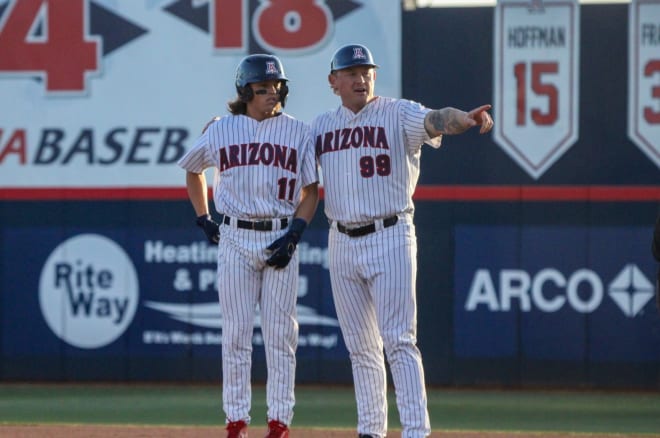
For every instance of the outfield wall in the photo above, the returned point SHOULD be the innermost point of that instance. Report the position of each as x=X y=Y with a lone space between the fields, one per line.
x=534 y=241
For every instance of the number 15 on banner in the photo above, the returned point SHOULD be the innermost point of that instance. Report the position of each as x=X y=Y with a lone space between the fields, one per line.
x=536 y=66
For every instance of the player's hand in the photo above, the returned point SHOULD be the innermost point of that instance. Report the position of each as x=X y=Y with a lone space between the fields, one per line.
x=282 y=249
x=210 y=227
x=481 y=118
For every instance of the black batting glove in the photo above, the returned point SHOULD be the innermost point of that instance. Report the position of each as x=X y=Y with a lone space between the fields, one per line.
x=210 y=227
x=283 y=248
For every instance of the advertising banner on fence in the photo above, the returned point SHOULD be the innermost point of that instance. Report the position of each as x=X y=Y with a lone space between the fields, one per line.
x=140 y=292
x=102 y=93
x=555 y=293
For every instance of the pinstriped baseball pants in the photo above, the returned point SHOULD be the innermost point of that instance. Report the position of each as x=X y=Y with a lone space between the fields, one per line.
x=373 y=283
x=245 y=284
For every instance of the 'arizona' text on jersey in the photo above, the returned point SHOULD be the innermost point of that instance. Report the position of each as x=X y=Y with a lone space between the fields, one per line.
x=367 y=158
x=357 y=137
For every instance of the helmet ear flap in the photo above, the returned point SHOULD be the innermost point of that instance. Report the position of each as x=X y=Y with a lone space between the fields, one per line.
x=284 y=92
x=245 y=93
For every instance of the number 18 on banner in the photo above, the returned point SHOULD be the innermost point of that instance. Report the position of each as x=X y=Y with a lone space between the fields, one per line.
x=536 y=67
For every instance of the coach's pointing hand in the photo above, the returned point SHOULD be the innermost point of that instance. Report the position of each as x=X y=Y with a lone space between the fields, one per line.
x=283 y=248
x=481 y=117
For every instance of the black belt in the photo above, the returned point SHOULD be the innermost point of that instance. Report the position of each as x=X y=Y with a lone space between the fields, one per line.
x=265 y=225
x=367 y=229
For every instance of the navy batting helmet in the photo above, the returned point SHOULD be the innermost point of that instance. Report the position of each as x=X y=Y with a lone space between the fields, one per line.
x=351 y=55
x=259 y=68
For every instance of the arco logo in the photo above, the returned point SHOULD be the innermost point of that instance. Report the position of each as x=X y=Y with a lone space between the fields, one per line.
x=88 y=291
x=550 y=290
x=631 y=290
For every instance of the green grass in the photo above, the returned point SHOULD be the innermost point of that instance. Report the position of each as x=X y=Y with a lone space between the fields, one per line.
x=550 y=411
x=547 y=411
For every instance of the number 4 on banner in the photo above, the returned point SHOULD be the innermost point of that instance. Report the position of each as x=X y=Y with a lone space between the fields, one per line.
x=48 y=38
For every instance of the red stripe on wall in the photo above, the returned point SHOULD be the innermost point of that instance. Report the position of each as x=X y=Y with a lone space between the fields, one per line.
x=93 y=194
x=538 y=193
x=423 y=193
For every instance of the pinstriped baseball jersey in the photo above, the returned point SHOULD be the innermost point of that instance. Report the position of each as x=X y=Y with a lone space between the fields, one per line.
x=370 y=160
x=261 y=167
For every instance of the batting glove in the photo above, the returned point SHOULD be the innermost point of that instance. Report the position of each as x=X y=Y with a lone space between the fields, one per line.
x=283 y=248
x=210 y=227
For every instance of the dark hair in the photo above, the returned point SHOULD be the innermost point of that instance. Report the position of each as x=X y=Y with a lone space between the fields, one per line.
x=237 y=106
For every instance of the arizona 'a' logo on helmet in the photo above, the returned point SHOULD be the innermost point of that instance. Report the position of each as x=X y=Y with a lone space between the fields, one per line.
x=358 y=53
x=271 y=69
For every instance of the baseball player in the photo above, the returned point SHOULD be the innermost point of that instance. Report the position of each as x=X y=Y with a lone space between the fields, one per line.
x=369 y=150
x=265 y=188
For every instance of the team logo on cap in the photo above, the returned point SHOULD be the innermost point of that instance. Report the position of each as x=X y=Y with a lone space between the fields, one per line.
x=358 y=53
x=270 y=68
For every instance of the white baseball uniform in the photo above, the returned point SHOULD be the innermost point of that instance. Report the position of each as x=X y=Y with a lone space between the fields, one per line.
x=370 y=167
x=261 y=168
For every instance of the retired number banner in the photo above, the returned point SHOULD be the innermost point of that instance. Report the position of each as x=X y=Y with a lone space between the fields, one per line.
x=536 y=80
x=644 y=77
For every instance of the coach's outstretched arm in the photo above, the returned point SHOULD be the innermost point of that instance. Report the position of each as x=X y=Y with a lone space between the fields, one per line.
x=451 y=121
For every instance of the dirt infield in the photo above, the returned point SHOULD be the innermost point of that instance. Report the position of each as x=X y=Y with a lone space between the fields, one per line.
x=94 y=431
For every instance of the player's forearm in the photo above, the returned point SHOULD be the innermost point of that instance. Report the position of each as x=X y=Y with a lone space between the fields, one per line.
x=308 y=202
x=447 y=121
x=197 y=192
